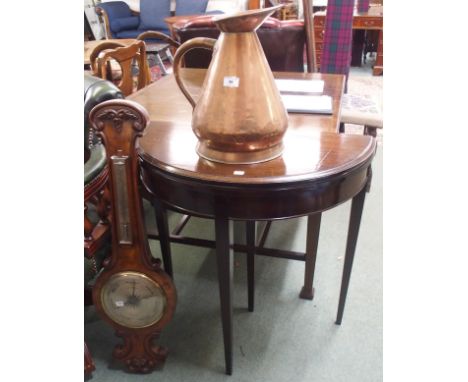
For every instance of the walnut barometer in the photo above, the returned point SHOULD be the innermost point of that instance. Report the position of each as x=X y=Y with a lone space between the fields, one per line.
x=132 y=293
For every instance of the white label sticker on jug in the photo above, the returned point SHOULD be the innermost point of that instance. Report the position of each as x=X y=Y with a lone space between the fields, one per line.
x=231 y=82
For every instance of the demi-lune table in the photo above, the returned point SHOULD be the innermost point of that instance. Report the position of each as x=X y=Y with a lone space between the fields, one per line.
x=318 y=170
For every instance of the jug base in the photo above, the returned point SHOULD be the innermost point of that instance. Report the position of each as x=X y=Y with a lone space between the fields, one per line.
x=230 y=157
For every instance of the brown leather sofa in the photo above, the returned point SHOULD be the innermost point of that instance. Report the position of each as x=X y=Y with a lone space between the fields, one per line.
x=283 y=42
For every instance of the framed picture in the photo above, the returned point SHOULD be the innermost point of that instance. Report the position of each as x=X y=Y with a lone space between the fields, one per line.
x=95 y=24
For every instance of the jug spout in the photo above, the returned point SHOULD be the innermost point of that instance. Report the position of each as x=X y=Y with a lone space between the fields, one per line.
x=248 y=21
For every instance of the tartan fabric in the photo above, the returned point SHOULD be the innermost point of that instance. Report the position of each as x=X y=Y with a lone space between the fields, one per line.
x=362 y=5
x=337 y=41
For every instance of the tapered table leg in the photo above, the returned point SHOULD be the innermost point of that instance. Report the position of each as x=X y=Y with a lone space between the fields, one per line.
x=163 y=229
x=224 y=257
x=313 y=231
x=250 y=240
x=353 y=231
x=161 y=64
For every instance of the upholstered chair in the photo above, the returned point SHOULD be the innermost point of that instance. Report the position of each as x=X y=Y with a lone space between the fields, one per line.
x=96 y=175
x=122 y=22
x=96 y=219
x=152 y=15
x=282 y=41
x=194 y=7
x=361 y=109
x=119 y=20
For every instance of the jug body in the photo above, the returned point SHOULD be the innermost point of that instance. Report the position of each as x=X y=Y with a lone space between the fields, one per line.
x=239 y=116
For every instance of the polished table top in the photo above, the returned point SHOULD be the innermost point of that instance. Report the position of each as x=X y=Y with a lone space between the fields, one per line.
x=313 y=150
x=306 y=156
x=165 y=102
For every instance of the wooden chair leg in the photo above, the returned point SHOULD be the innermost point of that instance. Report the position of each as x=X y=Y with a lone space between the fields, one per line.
x=88 y=361
x=250 y=241
x=370 y=130
x=369 y=179
x=164 y=241
x=161 y=64
x=88 y=296
x=169 y=56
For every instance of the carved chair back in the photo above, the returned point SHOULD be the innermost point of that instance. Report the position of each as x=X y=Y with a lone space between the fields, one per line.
x=105 y=45
x=126 y=56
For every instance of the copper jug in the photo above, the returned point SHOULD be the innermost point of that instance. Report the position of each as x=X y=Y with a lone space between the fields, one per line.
x=239 y=116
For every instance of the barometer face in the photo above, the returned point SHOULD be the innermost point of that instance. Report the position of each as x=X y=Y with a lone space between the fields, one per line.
x=133 y=300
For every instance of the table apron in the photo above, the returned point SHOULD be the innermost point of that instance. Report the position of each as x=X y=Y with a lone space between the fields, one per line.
x=253 y=202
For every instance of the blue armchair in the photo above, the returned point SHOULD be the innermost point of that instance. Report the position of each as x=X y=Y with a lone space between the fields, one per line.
x=193 y=7
x=121 y=22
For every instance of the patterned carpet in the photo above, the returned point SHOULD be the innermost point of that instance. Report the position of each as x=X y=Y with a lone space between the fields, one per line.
x=156 y=72
x=362 y=82
x=366 y=84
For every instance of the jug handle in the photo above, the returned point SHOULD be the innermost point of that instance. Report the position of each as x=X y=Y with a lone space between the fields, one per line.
x=194 y=43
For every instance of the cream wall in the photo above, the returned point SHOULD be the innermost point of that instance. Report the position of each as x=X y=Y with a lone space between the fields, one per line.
x=133 y=4
x=227 y=6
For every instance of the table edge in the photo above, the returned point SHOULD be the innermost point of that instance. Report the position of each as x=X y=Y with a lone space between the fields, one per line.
x=366 y=154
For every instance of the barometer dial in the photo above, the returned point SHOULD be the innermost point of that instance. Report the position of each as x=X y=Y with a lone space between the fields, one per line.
x=133 y=300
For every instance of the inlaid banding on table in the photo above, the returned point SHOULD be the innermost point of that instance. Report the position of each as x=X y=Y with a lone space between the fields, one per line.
x=322 y=155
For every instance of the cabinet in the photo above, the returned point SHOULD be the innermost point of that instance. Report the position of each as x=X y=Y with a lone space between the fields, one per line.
x=371 y=20
x=378 y=67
